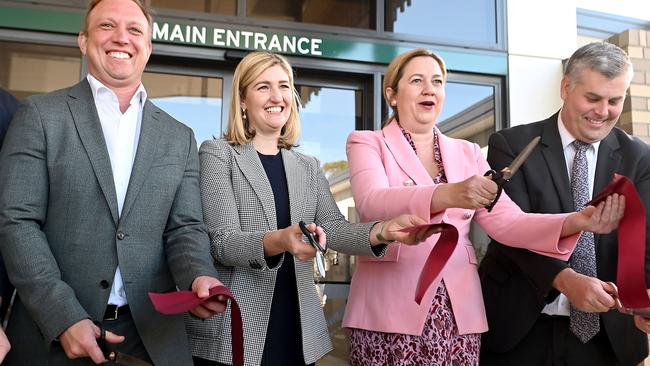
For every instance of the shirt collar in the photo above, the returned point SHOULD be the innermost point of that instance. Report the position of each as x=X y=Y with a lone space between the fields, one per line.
x=567 y=137
x=101 y=91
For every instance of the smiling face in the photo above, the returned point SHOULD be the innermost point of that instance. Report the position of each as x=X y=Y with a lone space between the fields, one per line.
x=117 y=43
x=268 y=101
x=592 y=104
x=420 y=93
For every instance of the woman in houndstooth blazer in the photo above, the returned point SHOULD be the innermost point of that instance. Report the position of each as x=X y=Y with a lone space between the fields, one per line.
x=255 y=189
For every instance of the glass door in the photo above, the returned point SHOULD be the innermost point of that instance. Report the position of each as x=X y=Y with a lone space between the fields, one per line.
x=329 y=112
x=192 y=96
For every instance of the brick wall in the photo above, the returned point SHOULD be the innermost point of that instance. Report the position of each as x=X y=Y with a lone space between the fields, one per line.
x=635 y=118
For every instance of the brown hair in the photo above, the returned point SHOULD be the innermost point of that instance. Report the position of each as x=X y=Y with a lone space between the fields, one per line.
x=249 y=69
x=142 y=4
x=395 y=71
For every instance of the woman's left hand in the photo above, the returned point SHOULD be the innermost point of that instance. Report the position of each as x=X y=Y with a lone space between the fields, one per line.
x=602 y=219
x=390 y=230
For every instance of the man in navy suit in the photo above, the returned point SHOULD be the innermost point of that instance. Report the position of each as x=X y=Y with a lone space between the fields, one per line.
x=530 y=300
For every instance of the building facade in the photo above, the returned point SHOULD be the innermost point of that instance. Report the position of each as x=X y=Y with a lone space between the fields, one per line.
x=504 y=61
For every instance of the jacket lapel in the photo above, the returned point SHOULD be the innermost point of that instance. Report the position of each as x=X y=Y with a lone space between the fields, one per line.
x=251 y=166
x=297 y=183
x=453 y=159
x=554 y=155
x=150 y=135
x=90 y=132
x=404 y=155
x=607 y=162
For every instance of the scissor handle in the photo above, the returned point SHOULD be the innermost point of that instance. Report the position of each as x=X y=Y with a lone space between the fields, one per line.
x=312 y=237
x=497 y=177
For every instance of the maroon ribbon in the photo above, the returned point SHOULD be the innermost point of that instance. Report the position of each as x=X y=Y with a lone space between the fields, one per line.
x=438 y=257
x=632 y=288
x=181 y=301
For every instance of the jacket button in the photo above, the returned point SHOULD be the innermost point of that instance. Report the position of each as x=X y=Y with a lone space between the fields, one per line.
x=103 y=284
x=120 y=236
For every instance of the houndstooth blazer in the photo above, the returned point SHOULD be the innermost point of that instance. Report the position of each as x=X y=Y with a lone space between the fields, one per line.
x=239 y=209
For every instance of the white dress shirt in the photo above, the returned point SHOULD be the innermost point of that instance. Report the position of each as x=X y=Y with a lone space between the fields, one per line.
x=121 y=133
x=561 y=305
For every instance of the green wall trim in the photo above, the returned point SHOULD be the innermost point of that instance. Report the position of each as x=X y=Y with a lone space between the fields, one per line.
x=208 y=35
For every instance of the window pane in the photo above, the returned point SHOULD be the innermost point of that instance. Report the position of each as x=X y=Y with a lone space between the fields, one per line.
x=193 y=100
x=222 y=7
x=462 y=21
x=328 y=115
x=342 y=13
x=27 y=69
x=468 y=112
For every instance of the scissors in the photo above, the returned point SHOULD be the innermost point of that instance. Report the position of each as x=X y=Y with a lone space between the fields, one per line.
x=320 y=251
x=630 y=311
x=501 y=177
x=115 y=357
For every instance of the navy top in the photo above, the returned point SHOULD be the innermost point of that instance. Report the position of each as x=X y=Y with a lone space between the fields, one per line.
x=283 y=344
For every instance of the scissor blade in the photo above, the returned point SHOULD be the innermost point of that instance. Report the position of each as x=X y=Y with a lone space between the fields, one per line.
x=128 y=360
x=519 y=160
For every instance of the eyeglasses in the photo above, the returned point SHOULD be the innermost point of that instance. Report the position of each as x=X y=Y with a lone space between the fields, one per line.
x=320 y=251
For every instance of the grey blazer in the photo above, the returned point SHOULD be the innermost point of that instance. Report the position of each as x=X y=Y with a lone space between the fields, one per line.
x=239 y=209
x=61 y=236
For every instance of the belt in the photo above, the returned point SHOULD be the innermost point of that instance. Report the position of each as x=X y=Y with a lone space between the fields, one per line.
x=113 y=311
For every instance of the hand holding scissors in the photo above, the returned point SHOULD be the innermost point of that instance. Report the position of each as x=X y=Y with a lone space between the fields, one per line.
x=504 y=175
x=320 y=250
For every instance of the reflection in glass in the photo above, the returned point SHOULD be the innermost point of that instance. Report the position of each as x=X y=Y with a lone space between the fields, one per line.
x=222 y=7
x=342 y=13
x=27 y=69
x=468 y=112
x=464 y=21
x=193 y=100
x=327 y=116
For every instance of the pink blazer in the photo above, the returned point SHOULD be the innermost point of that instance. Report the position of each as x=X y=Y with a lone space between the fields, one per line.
x=388 y=180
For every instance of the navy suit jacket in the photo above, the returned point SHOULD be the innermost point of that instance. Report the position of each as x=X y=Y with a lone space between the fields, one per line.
x=518 y=283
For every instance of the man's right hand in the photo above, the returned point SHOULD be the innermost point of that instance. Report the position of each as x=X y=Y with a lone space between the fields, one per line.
x=585 y=293
x=80 y=340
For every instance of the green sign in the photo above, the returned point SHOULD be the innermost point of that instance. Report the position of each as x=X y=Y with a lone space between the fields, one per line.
x=205 y=35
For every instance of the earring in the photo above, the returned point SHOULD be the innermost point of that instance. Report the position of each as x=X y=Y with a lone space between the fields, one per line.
x=243 y=113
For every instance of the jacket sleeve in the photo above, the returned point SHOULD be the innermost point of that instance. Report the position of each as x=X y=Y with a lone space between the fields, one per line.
x=24 y=194
x=186 y=240
x=342 y=236
x=539 y=269
x=373 y=194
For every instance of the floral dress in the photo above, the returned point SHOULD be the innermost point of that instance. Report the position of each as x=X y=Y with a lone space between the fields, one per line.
x=439 y=345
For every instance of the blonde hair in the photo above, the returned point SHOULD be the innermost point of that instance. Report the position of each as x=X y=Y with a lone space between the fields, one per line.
x=142 y=4
x=249 y=69
x=395 y=71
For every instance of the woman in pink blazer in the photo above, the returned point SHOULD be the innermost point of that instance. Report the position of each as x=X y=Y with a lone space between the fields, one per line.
x=410 y=167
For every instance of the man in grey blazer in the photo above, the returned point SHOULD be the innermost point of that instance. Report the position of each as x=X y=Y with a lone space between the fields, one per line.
x=99 y=205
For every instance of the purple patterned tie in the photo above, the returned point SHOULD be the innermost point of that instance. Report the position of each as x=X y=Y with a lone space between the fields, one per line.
x=583 y=325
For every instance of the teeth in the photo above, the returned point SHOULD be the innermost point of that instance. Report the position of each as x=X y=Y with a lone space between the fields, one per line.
x=595 y=121
x=120 y=55
x=274 y=109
